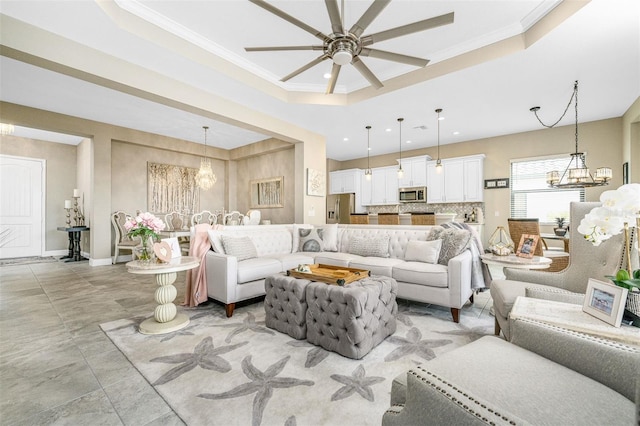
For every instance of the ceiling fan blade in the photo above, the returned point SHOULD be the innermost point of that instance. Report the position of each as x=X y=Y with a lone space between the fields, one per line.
x=367 y=17
x=268 y=7
x=366 y=72
x=396 y=57
x=276 y=48
x=335 y=70
x=334 y=16
x=408 y=29
x=305 y=67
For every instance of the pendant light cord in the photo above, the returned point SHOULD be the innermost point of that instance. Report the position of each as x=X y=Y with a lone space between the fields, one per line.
x=573 y=95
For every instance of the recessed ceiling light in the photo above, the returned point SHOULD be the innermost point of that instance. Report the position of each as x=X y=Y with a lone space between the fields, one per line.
x=408 y=142
x=456 y=133
x=327 y=75
x=345 y=139
x=387 y=130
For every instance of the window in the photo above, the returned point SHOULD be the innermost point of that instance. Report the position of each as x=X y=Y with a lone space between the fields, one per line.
x=531 y=196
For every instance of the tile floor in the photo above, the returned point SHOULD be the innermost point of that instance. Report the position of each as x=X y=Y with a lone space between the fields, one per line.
x=56 y=364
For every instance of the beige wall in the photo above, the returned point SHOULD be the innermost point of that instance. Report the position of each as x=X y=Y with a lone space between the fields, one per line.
x=631 y=140
x=60 y=181
x=601 y=140
x=280 y=163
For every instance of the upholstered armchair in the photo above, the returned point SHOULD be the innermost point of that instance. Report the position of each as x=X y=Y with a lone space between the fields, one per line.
x=585 y=261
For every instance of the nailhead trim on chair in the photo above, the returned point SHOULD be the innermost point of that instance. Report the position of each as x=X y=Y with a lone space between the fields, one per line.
x=462 y=399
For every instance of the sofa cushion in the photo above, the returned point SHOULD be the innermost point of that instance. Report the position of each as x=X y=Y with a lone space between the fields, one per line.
x=336 y=258
x=291 y=260
x=504 y=294
x=373 y=246
x=329 y=235
x=432 y=275
x=257 y=268
x=377 y=265
x=423 y=251
x=240 y=247
x=454 y=242
x=315 y=239
x=215 y=237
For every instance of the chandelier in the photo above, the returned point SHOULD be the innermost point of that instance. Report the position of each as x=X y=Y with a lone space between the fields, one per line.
x=577 y=174
x=438 y=162
x=400 y=171
x=205 y=178
x=368 y=172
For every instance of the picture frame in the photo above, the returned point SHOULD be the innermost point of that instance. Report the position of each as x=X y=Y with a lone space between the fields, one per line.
x=625 y=173
x=267 y=193
x=527 y=245
x=605 y=301
x=316 y=183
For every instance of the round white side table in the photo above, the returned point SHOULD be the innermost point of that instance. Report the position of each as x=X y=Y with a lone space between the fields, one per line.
x=513 y=261
x=165 y=317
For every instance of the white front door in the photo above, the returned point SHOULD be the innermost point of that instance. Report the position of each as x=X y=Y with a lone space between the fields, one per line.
x=20 y=207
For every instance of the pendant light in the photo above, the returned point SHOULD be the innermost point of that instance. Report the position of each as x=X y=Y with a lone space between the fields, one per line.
x=367 y=173
x=400 y=171
x=576 y=174
x=438 y=162
x=205 y=178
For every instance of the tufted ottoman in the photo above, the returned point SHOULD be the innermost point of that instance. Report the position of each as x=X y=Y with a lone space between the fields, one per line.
x=353 y=319
x=285 y=305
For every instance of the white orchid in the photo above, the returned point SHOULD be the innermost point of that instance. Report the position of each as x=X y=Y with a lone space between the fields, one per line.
x=619 y=206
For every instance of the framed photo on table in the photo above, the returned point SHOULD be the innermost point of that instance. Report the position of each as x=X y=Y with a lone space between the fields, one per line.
x=605 y=301
x=527 y=246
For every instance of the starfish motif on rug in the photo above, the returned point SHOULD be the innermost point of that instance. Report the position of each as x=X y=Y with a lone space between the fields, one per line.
x=357 y=382
x=315 y=356
x=262 y=384
x=204 y=356
x=249 y=323
x=472 y=333
x=413 y=344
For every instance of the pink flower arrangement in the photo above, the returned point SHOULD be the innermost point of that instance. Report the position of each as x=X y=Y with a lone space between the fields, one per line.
x=144 y=225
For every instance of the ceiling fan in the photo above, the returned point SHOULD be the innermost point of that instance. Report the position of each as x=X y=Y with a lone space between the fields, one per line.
x=344 y=47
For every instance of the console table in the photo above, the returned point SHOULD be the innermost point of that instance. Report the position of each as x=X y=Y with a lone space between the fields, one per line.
x=571 y=317
x=74 y=242
x=165 y=317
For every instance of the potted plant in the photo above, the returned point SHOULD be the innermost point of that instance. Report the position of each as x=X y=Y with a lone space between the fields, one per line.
x=560 y=230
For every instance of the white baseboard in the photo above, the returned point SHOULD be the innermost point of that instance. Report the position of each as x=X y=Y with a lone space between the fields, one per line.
x=100 y=262
x=55 y=253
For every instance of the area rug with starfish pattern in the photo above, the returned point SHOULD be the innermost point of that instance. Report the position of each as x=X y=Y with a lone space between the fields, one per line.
x=236 y=371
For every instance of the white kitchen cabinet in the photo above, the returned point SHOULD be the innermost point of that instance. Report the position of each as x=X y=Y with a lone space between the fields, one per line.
x=345 y=181
x=366 y=187
x=384 y=186
x=460 y=180
x=415 y=172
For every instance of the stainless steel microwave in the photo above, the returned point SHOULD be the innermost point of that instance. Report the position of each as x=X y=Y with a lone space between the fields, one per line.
x=413 y=195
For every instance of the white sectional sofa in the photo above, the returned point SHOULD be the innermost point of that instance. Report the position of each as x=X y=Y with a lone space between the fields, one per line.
x=236 y=269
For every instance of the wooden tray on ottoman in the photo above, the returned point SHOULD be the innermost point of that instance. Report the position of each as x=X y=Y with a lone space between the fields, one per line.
x=336 y=275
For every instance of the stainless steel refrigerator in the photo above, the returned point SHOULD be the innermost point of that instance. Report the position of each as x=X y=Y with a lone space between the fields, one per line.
x=339 y=207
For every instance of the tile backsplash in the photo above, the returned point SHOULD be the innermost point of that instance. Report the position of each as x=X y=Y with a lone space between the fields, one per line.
x=460 y=209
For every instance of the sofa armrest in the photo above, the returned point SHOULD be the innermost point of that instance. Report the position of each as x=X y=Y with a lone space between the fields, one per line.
x=613 y=364
x=222 y=276
x=459 y=276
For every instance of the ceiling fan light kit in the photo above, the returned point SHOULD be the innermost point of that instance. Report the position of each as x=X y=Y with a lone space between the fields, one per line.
x=576 y=174
x=347 y=47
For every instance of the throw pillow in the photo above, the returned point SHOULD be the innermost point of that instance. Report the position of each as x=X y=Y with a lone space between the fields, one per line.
x=423 y=251
x=295 y=246
x=556 y=294
x=329 y=236
x=216 y=241
x=454 y=242
x=374 y=246
x=310 y=239
x=240 y=247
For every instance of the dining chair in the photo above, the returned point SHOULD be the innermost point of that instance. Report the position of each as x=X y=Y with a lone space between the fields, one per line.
x=233 y=218
x=423 y=218
x=205 y=216
x=359 y=218
x=122 y=241
x=173 y=221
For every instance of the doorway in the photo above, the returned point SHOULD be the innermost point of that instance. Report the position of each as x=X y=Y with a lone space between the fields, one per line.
x=21 y=204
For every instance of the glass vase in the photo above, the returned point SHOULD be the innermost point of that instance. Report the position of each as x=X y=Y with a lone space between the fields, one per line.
x=144 y=254
x=500 y=243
